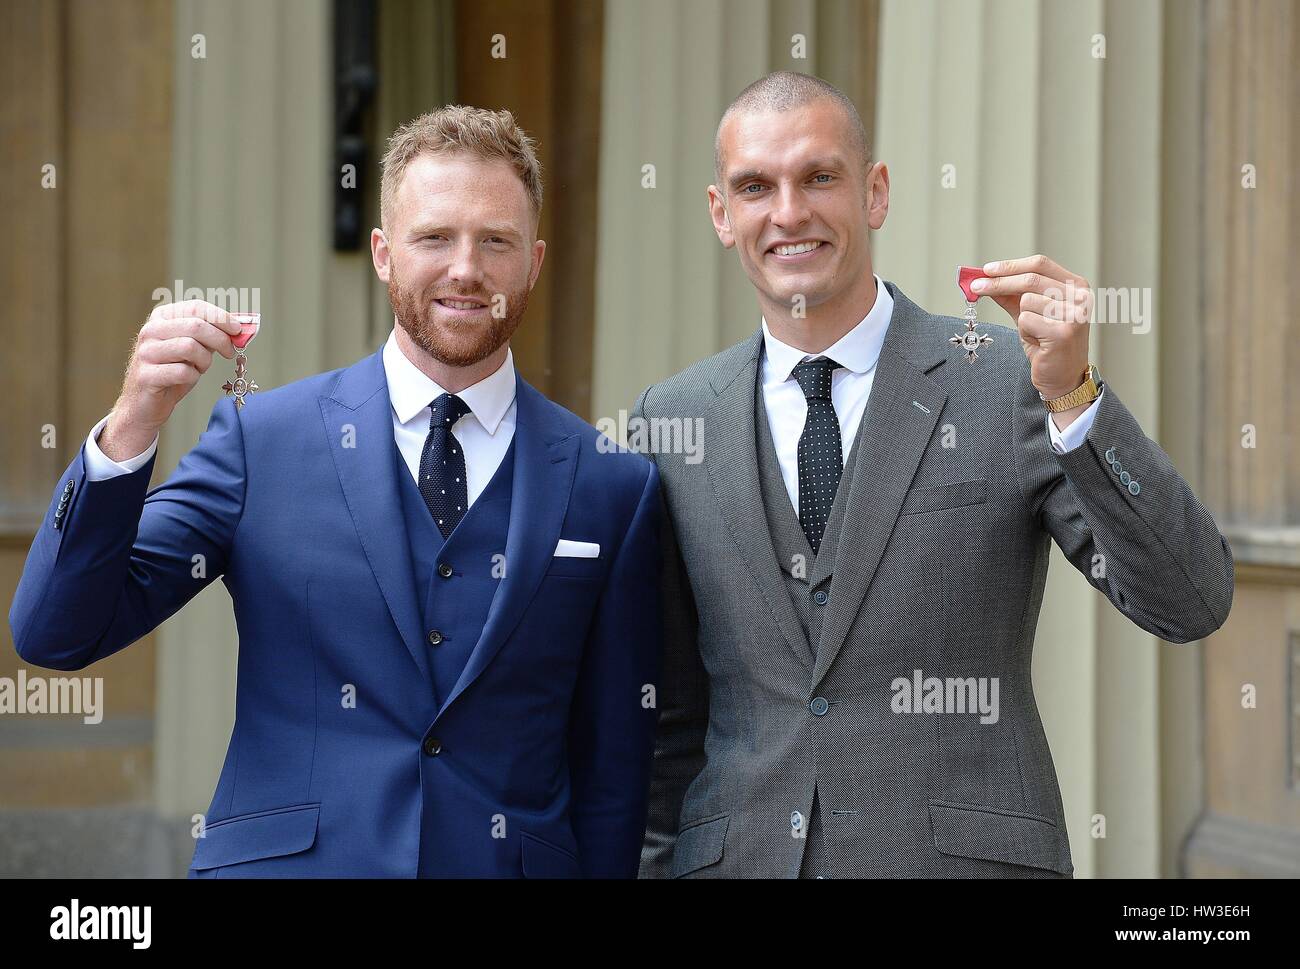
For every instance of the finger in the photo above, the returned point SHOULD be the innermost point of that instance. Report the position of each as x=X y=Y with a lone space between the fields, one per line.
x=1033 y=327
x=1009 y=303
x=1079 y=311
x=176 y=350
x=164 y=376
x=203 y=310
x=1038 y=263
x=206 y=333
x=1029 y=282
x=181 y=349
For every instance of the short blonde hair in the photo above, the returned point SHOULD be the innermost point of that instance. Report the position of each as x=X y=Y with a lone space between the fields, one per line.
x=460 y=128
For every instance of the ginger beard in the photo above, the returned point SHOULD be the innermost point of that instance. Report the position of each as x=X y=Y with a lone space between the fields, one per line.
x=454 y=342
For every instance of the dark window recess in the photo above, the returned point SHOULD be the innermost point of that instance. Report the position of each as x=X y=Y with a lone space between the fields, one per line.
x=356 y=78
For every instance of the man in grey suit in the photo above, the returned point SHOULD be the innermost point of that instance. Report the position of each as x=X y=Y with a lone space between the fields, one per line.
x=856 y=566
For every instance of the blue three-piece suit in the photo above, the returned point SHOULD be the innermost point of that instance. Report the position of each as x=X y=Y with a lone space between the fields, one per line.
x=407 y=705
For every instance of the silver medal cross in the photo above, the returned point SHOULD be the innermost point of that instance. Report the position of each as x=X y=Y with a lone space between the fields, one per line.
x=970 y=341
x=243 y=384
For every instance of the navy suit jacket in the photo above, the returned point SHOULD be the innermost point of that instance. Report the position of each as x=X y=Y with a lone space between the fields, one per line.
x=535 y=764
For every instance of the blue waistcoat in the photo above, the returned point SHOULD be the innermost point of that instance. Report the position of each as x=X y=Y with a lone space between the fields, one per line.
x=457 y=577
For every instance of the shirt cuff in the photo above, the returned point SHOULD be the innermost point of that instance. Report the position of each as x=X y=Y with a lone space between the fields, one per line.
x=100 y=467
x=1072 y=436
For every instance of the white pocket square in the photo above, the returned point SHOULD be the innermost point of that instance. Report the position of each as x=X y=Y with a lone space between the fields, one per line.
x=577 y=550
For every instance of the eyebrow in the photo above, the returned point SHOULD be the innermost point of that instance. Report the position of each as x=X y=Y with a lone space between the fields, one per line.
x=503 y=230
x=740 y=178
x=832 y=162
x=495 y=229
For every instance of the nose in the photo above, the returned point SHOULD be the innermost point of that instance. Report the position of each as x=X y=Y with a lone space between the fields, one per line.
x=466 y=269
x=791 y=208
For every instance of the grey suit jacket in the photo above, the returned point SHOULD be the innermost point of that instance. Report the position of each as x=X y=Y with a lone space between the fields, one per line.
x=941 y=562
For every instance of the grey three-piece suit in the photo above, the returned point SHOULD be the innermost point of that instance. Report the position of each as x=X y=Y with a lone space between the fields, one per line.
x=779 y=753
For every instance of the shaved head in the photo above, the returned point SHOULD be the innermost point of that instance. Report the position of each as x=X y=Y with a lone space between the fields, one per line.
x=797 y=196
x=782 y=90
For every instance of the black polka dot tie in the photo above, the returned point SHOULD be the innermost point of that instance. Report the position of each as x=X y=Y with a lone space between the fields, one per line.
x=442 y=465
x=820 y=456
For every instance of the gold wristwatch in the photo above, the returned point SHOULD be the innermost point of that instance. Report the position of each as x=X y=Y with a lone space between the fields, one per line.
x=1085 y=393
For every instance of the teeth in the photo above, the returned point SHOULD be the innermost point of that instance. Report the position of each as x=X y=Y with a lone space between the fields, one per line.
x=797 y=249
x=458 y=304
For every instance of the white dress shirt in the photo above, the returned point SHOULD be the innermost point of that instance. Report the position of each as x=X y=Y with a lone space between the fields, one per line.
x=857 y=353
x=484 y=433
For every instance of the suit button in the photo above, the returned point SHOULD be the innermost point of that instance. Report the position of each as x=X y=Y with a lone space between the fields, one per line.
x=67 y=488
x=1134 y=488
x=796 y=821
x=819 y=706
x=1110 y=456
x=432 y=746
x=1124 y=478
x=444 y=570
x=820 y=597
x=435 y=637
x=58 y=514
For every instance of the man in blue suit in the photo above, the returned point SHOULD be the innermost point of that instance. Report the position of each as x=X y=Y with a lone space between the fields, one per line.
x=445 y=584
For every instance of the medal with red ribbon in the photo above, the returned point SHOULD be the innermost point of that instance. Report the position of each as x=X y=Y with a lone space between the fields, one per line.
x=243 y=384
x=970 y=341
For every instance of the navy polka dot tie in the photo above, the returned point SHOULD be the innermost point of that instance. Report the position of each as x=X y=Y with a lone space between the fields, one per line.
x=820 y=456
x=442 y=465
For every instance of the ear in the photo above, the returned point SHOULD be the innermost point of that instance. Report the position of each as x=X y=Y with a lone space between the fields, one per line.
x=539 y=253
x=380 y=254
x=877 y=195
x=721 y=220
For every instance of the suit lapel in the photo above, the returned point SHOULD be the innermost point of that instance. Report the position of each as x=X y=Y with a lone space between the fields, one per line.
x=731 y=461
x=358 y=424
x=546 y=458
x=901 y=415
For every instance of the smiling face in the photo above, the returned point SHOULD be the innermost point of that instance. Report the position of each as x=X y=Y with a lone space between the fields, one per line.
x=796 y=200
x=459 y=255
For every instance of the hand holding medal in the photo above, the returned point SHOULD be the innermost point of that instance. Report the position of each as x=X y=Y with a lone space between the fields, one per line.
x=1051 y=307
x=172 y=351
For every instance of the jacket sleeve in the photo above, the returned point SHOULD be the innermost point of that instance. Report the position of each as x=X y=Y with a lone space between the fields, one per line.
x=683 y=699
x=1126 y=519
x=113 y=560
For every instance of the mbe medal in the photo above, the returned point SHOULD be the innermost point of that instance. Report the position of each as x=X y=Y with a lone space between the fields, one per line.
x=970 y=341
x=243 y=384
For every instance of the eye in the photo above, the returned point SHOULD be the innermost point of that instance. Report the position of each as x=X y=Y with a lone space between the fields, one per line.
x=822 y=178
x=753 y=185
